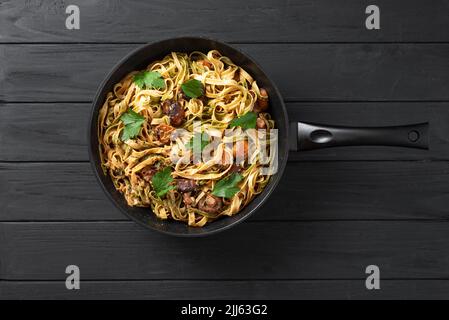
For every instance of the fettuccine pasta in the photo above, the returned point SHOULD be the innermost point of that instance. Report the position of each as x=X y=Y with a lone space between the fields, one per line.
x=149 y=136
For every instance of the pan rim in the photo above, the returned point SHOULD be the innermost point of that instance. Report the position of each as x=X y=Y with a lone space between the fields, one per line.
x=260 y=199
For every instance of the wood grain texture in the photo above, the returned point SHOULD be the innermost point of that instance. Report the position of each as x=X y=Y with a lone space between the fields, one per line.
x=313 y=190
x=232 y=290
x=58 y=131
x=252 y=250
x=334 y=212
x=232 y=20
x=303 y=72
x=44 y=132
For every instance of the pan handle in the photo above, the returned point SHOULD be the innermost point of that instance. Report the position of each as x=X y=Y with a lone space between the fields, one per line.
x=309 y=136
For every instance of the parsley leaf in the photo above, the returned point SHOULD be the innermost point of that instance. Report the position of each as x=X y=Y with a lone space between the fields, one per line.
x=132 y=121
x=227 y=187
x=247 y=121
x=149 y=80
x=203 y=138
x=161 y=181
x=192 y=88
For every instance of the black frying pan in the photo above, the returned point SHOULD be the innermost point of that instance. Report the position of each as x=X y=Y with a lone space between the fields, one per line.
x=292 y=136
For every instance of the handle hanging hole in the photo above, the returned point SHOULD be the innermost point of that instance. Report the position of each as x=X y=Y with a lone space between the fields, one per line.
x=413 y=136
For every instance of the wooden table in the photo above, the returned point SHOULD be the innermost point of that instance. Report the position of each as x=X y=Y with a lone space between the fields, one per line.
x=335 y=212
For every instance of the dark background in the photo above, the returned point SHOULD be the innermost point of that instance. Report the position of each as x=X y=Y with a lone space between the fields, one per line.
x=335 y=212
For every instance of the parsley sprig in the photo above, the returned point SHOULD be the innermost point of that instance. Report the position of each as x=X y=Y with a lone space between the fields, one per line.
x=247 y=121
x=149 y=80
x=162 y=181
x=227 y=187
x=132 y=121
x=193 y=88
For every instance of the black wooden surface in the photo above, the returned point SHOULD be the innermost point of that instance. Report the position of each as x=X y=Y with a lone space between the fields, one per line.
x=336 y=210
x=303 y=72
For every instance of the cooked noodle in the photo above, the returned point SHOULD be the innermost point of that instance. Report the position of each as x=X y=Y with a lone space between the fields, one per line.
x=229 y=92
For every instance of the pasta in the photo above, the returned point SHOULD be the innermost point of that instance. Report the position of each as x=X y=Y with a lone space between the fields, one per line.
x=187 y=137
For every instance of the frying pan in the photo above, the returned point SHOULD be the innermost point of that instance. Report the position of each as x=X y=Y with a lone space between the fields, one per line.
x=291 y=136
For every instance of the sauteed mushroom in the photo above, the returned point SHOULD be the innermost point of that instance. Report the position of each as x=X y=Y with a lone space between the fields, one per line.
x=186 y=185
x=210 y=204
x=175 y=112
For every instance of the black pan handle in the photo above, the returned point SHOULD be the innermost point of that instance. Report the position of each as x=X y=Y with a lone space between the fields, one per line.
x=309 y=136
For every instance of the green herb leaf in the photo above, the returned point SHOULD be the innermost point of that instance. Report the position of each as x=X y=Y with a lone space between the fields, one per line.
x=227 y=187
x=247 y=121
x=132 y=121
x=161 y=181
x=192 y=88
x=202 y=138
x=149 y=80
